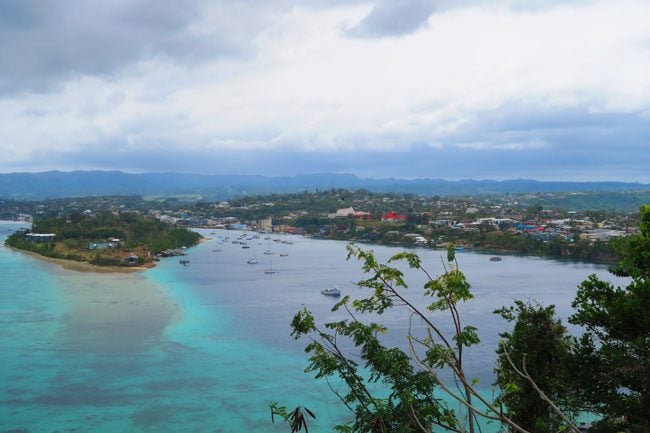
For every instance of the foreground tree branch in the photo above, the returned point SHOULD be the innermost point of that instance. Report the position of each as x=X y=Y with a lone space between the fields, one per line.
x=411 y=379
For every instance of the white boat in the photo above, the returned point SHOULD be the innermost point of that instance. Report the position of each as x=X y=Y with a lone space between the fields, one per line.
x=268 y=252
x=334 y=291
x=269 y=269
x=252 y=261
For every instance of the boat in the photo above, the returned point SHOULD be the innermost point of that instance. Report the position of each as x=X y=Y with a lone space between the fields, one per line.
x=252 y=261
x=334 y=291
x=245 y=246
x=495 y=259
x=268 y=252
x=284 y=254
x=269 y=269
x=184 y=262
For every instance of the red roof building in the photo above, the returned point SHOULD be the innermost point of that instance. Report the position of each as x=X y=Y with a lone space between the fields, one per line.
x=393 y=217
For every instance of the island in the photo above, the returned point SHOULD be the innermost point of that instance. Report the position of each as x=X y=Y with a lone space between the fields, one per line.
x=105 y=239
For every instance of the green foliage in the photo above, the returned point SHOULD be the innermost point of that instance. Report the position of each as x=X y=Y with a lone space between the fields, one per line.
x=76 y=230
x=17 y=240
x=106 y=261
x=297 y=418
x=538 y=343
x=613 y=354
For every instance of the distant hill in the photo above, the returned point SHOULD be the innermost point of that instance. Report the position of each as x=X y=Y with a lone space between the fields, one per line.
x=57 y=184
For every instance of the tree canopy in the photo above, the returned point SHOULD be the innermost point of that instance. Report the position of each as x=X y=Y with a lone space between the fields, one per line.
x=614 y=351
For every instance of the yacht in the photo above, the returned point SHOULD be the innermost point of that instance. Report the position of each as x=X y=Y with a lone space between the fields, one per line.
x=334 y=291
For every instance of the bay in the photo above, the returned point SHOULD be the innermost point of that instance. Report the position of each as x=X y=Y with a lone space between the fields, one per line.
x=205 y=347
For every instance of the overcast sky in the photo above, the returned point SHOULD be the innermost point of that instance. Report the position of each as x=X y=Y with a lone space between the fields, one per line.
x=502 y=89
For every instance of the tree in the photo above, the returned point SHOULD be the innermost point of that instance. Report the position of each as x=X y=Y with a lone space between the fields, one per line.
x=540 y=344
x=413 y=377
x=613 y=354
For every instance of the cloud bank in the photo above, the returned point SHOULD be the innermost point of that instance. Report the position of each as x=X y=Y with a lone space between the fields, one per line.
x=409 y=88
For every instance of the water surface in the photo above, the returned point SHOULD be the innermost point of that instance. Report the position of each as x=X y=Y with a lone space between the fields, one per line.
x=205 y=347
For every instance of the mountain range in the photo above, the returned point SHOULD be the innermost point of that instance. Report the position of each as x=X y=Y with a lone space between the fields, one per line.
x=57 y=184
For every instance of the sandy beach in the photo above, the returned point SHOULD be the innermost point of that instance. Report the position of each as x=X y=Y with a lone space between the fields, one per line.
x=85 y=266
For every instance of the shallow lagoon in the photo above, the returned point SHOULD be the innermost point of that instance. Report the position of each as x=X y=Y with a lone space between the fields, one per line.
x=205 y=347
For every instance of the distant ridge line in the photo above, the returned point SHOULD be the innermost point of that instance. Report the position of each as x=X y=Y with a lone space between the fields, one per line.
x=58 y=184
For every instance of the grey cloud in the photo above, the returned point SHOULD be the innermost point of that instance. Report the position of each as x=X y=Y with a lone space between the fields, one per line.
x=44 y=43
x=570 y=127
x=394 y=18
x=401 y=17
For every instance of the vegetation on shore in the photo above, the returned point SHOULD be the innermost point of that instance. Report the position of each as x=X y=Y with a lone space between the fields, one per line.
x=105 y=238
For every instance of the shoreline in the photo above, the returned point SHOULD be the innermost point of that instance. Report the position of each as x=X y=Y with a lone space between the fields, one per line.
x=72 y=265
x=478 y=250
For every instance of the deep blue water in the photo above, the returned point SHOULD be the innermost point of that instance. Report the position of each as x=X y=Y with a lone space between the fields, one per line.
x=205 y=347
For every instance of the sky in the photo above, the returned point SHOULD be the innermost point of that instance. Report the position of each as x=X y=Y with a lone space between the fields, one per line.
x=453 y=89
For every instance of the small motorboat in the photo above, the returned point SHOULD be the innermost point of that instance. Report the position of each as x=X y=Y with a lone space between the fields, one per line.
x=334 y=291
x=252 y=261
x=495 y=259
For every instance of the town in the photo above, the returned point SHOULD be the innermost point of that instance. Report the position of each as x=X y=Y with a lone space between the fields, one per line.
x=498 y=223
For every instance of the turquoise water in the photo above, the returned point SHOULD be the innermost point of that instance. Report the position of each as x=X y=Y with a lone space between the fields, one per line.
x=204 y=348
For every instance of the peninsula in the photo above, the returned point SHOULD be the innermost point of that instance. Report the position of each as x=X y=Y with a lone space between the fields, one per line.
x=106 y=239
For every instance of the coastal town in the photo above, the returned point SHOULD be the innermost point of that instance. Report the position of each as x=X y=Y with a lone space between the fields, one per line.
x=505 y=223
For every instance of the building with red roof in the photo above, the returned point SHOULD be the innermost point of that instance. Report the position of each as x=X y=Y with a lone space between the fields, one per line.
x=393 y=217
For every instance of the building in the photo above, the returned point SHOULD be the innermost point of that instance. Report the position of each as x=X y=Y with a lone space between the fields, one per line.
x=265 y=225
x=344 y=213
x=361 y=215
x=40 y=238
x=393 y=217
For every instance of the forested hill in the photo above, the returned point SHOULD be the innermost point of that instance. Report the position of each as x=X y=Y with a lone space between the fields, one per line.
x=56 y=184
